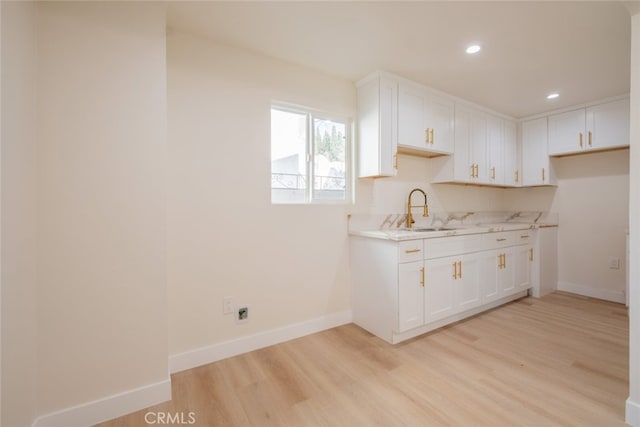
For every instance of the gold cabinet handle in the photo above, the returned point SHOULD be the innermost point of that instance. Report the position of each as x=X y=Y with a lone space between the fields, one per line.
x=411 y=251
x=455 y=270
x=517 y=176
x=395 y=161
x=474 y=170
x=433 y=137
x=500 y=261
x=524 y=236
x=580 y=139
x=531 y=254
x=589 y=136
x=504 y=260
x=422 y=277
x=493 y=172
x=543 y=174
x=459 y=269
x=502 y=239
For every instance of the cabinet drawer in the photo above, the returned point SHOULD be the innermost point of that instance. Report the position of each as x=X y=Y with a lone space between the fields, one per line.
x=507 y=238
x=410 y=251
x=455 y=245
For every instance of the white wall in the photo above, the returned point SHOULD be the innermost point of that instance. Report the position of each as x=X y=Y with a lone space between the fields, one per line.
x=289 y=263
x=101 y=124
x=593 y=205
x=19 y=316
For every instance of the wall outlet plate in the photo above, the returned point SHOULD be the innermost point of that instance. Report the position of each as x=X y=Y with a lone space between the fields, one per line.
x=227 y=305
x=242 y=314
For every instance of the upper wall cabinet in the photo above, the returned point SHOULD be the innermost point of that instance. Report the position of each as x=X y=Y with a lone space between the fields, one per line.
x=600 y=127
x=536 y=167
x=485 y=145
x=377 y=126
x=512 y=160
x=425 y=121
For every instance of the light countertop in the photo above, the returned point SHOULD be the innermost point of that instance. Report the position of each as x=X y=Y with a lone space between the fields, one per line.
x=401 y=234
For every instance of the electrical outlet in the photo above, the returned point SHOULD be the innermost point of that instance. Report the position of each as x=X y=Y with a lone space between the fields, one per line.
x=242 y=314
x=614 y=263
x=227 y=305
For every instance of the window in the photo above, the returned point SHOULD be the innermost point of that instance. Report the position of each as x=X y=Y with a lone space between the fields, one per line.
x=309 y=157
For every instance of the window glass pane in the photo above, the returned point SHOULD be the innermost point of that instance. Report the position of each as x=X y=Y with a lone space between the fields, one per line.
x=288 y=156
x=329 y=166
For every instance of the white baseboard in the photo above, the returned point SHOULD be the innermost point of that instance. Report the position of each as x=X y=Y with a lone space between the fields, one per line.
x=588 y=291
x=107 y=408
x=204 y=355
x=632 y=416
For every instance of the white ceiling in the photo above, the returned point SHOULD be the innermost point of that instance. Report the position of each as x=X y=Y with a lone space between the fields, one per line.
x=579 y=49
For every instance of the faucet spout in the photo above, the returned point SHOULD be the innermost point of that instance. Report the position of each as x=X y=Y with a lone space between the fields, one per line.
x=425 y=207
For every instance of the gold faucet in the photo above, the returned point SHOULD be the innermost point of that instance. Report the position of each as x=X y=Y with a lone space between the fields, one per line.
x=409 y=206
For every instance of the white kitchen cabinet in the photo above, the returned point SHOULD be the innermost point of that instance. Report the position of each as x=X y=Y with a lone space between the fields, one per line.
x=544 y=268
x=469 y=161
x=489 y=262
x=523 y=260
x=485 y=150
x=377 y=126
x=600 y=127
x=403 y=289
x=470 y=156
x=514 y=269
x=511 y=155
x=425 y=121
x=495 y=150
x=506 y=272
x=507 y=269
x=439 y=297
x=467 y=283
x=411 y=293
x=536 y=166
x=451 y=286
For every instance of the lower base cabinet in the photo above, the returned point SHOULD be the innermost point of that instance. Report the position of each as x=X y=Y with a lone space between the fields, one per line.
x=411 y=294
x=403 y=289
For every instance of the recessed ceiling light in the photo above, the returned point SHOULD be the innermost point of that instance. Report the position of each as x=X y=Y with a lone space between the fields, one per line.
x=474 y=48
x=553 y=95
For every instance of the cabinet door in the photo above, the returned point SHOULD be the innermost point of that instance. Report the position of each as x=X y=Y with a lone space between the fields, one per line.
x=463 y=168
x=470 y=156
x=440 y=119
x=412 y=111
x=511 y=163
x=608 y=125
x=488 y=276
x=567 y=132
x=467 y=284
x=377 y=127
x=496 y=150
x=478 y=146
x=523 y=257
x=439 y=295
x=506 y=268
x=410 y=295
x=535 y=160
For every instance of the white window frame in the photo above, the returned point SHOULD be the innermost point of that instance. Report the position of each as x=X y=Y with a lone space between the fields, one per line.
x=312 y=114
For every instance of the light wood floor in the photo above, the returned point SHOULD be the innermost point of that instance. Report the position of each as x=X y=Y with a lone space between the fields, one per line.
x=561 y=360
